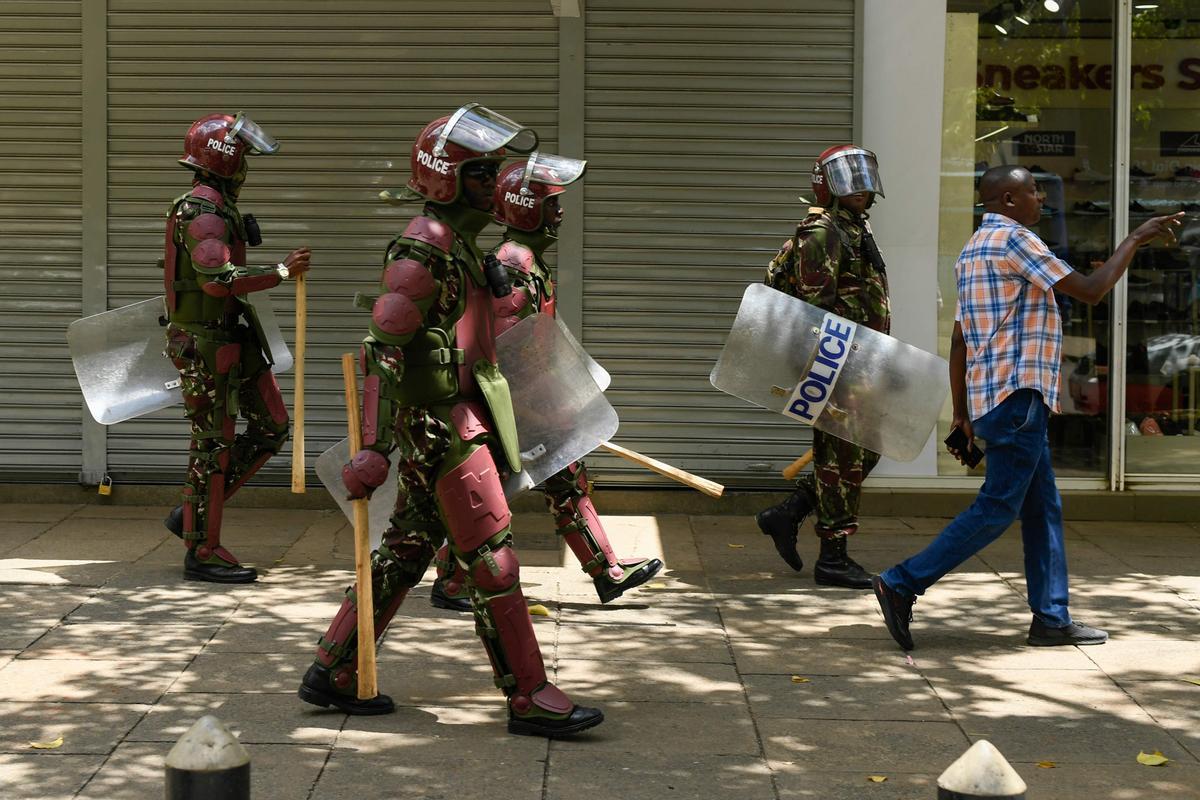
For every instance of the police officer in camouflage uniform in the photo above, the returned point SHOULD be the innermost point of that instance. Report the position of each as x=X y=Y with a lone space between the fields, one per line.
x=433 y=393
x=832 y=262
x=526 y=204
x=215 y=340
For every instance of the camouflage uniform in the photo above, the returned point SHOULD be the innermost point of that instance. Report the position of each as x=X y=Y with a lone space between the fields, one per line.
x=824 y=265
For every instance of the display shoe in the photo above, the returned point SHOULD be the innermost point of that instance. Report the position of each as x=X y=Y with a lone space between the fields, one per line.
x=174 y=521
x=438 y=598
x=835 y=568
x=635 y=573
x=782 y=523
x=580 y=719
x=897 y=611
x=317 y=688
x=1042 y=635
x=220 y=572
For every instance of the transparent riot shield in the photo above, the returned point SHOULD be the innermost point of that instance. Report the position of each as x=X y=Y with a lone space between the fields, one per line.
x=119 y=361
x=599 y=374
x=822 y=370
x=561 y=413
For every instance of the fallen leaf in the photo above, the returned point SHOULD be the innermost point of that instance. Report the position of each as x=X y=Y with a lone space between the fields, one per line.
x=877 y=778
x=1047 y=764
x=909 y=660
x=1192 y=680
x=538 y=610
x=736 y=546
x=54 y=745
x=1155 y=759
x=798 y=679
x=655 y=586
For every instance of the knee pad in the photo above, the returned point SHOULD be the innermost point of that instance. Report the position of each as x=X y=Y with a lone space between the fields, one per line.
x=496 y=570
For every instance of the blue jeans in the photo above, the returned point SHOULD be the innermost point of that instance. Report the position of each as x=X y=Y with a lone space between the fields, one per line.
x=1019 y=481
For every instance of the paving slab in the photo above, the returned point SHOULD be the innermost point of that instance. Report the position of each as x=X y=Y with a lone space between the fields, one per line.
x=253 y=718
x=870 y=747
x=121 y=641
x=691 y=729
x=93 y=681
x=619 y=643
x=437 y=732
x=796 y=782
x=350 y=775
x=1175 y=705
x=255 y=673
x=1032 y=694
x=1097 y=782
x=44 y=775
x=36 y=512
x=94 y=728
x=788 y=654
x=1094 y=739
x=1125 y=660
x=277 y=772
x=575 y=774
x=182 y=603
x=16 y=534
x=601 y=681
x=870 y=696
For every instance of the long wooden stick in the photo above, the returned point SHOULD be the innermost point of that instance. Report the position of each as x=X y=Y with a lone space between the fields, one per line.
x=367 y=682
x=298 y=465
x=793 y=469
x=710 y=488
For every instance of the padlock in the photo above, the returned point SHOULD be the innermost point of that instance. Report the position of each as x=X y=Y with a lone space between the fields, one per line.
x=105 y=487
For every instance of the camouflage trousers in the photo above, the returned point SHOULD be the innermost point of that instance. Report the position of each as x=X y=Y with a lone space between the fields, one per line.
x=224 y=375
x=834 y=487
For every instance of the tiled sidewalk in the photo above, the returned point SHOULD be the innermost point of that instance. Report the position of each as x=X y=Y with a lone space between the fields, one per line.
x=105 y=645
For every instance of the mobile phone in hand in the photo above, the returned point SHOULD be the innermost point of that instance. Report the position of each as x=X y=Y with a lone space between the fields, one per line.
x=968 y=452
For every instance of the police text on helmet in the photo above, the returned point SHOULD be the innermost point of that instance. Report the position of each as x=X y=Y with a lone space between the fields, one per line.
x=438 y=165
x=222 y=147
x=518 y=200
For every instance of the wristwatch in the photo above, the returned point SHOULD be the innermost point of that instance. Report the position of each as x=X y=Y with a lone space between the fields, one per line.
x=283 y=271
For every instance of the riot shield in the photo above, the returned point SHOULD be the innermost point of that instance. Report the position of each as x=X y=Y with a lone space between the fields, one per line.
x=823 y=370
x=561 y=414
x=119 y=361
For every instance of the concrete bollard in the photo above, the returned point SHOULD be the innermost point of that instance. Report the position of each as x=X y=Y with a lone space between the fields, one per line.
x=208 y=763
x=981 y=773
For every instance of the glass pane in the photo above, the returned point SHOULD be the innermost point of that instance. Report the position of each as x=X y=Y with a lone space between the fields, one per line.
x=1163 y=352
x=1028 y=85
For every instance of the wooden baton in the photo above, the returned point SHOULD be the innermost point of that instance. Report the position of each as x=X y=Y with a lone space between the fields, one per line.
x=793 y=469
x=367 y=682
x=298 y=465
x=710 y=488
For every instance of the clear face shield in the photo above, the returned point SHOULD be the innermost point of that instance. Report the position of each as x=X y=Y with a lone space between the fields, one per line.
x=480 y=129
x=551 y=170
x=852 y=171
x=259 y=141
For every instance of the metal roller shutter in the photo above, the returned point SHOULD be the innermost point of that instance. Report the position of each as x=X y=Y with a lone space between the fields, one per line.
x=345 y=86
x=702 y=125
x=40 y=263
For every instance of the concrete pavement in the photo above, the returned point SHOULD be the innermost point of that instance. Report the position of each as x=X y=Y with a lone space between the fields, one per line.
x=727 y=677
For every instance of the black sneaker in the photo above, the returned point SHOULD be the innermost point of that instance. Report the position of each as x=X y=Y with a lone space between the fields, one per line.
x=1139 y=174
x=1088 y=208
x=1140 y=209
x=1042 y=635
x=897 y=611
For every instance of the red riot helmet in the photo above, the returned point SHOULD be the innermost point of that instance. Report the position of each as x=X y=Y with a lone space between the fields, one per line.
x=472 y=133
x=522 y=189
x=842 y=170
x=218 y=143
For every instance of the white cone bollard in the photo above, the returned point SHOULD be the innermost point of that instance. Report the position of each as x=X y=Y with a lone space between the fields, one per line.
x=208 y=763
x=981 y=773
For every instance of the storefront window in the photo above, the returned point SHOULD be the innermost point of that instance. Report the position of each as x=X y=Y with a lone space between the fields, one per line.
x=1031 y=83
x=1163 y=336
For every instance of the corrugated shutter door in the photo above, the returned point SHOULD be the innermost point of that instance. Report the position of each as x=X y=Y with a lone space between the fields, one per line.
x=702 y=125
x=345 y=86
x=40 y=181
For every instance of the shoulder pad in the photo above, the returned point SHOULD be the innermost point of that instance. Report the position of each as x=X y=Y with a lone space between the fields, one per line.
x=516 y=256
x=430 y=231
x=207 y=193
x=206 y=226
x=210 y=254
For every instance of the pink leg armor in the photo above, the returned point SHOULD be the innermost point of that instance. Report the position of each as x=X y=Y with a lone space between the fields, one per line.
x=472 y=503
x=568 y=498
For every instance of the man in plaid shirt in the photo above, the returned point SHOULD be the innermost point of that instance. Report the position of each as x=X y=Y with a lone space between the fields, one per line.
x=1004 y=363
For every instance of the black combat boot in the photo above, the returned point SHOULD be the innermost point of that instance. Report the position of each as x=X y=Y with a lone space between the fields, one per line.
x=317 y=688
x=174 y=521
x=835 y=568
x=782 y=523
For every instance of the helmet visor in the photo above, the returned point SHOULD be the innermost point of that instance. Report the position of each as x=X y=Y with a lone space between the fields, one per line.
x=851 y=172
x=553 y=170
x=480 y=129
x=249 y=131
